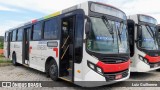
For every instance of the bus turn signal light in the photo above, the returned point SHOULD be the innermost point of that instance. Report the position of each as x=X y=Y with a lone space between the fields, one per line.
x=78 y=71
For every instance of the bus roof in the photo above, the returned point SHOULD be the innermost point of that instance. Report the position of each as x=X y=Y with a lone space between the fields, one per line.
x=58 y=13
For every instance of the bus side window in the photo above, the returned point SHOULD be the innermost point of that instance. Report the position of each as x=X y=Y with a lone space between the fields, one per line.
x=11 y=36
x=14 y=35
x=37 y=31
x=20 y=35
x=51 y=29
x=79 y=38
x=6 y=36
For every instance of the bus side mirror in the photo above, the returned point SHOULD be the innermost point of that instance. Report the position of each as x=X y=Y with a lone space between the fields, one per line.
x=139 y=33
x=87 y=27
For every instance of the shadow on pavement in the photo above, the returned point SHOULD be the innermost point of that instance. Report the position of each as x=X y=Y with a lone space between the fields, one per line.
x=141 y=75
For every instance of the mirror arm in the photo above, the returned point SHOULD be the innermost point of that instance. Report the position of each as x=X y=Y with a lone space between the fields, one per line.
x=88 y=25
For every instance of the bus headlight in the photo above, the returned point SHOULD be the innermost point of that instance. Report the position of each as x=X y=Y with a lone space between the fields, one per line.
x=143 y=59
x=94 y=67
x=140 y=57
x=91 y=66
x=99 y=69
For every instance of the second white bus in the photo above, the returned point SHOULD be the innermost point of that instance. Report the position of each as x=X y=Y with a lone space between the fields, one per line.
x=145 y=53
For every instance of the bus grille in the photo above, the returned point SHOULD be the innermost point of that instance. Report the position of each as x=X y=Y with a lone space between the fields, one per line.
x=153 y=65
x=112 y=76
x=115 y=60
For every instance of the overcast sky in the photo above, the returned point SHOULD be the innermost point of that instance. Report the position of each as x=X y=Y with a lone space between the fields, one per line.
x=15 y=12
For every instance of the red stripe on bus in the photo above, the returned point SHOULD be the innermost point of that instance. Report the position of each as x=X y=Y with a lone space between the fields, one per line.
x=34 y=21
x=113 y=67
x=152 y=59
x=56 y=50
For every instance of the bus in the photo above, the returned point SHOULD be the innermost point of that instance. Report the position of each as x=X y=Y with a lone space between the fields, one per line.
x=82 y=44
x=144 y=49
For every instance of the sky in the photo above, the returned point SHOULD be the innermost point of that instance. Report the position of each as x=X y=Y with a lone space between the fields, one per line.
x=15 y=12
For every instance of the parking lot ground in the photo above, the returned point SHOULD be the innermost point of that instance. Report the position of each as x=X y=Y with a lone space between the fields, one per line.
x=21 y=73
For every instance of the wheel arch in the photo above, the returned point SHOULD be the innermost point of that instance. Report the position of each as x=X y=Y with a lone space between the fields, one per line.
x=48 y=60
x=13 y=53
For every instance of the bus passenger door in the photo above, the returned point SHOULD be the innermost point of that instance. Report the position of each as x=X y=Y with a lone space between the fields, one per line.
x=26 y=45
x=71 y=46
x=67 y=50
x=8 y=43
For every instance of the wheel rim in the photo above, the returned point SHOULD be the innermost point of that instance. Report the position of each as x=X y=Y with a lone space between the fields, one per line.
x=53 y=70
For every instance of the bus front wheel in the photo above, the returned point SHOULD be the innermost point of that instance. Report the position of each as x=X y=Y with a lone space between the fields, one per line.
x=53 y=70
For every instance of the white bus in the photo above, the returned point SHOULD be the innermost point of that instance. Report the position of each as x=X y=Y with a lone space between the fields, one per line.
x=145 y=53
x=87 y=42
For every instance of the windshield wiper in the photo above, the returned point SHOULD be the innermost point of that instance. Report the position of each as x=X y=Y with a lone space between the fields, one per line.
x=108 y=25
x=120 y=29
x=150 y=30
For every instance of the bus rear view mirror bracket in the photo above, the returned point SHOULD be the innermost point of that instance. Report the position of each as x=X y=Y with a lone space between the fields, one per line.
x=88 y=25
x=137 y=40
x=139 y=27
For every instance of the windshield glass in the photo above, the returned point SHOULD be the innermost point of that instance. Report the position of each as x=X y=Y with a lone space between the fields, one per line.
x=103 y=37
x=147 y=38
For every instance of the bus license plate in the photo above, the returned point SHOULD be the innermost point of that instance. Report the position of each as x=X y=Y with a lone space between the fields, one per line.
x=119 y=76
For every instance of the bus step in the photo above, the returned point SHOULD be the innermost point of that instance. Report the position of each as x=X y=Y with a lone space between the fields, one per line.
x=26 y=65
x=69 y=69
x=65 y=78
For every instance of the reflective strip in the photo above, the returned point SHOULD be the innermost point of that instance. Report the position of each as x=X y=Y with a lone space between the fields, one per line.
x=52 y=15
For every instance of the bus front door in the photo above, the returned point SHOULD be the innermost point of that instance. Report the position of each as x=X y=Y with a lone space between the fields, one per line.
x=67 y=48
x=71 y=46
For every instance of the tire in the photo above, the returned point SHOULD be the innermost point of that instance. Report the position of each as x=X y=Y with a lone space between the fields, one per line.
x=53 y=70
x=14 y=60
x=158 y=70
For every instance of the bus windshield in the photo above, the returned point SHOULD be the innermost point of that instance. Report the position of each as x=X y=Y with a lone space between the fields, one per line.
x=107 y=37
x=147 y=38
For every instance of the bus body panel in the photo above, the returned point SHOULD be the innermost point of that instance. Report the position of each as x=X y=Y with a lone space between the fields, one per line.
x=17 y=48
x=36 y=55
x=5 y=45
x=92 y=79
x=5 y=49
x=138 y=65
x=40 y=52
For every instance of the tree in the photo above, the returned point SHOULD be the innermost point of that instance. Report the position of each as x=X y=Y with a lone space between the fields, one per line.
x=1 y=42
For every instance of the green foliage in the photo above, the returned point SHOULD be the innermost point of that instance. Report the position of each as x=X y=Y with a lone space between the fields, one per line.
x=1 y=45
x=3 y=60
x=1 y=42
